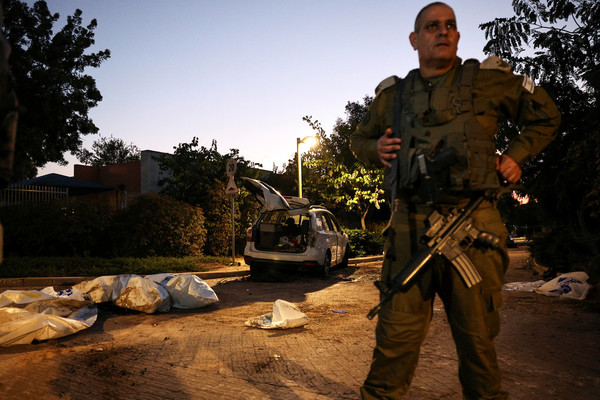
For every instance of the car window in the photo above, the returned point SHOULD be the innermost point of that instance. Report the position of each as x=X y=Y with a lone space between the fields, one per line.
x=321 y=222
x=325 y=222
x=329 y=223
x=275 y=217
x=333 y=223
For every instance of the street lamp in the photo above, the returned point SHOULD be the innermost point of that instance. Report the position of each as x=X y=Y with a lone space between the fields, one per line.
x=311 y=141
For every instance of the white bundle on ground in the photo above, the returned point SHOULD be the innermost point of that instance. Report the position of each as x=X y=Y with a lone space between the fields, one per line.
x=285 y=315
x=144 y=295
x=27 y=315
x=104 y=288
x=42 y=315
x=571 y=285
x=186 y=290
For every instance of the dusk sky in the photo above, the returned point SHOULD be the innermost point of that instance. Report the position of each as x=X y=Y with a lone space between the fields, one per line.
x=244 y=73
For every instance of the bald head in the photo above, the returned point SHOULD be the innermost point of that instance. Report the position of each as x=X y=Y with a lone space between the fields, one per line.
x=435 y=38
x=419 y=19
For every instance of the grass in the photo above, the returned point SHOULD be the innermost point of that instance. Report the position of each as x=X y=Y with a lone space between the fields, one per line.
x=21 y=267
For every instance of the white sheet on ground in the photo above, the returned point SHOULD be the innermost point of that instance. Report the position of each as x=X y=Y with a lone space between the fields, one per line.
x=40 y=315
x=186 y=290
x=27 y=315
x=285 y=315
x=144 y=295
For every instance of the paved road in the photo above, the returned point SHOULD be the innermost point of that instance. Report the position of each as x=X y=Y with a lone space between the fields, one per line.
x=548 y=348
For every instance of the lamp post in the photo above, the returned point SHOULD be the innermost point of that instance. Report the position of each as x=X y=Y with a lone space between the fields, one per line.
x=310 y=140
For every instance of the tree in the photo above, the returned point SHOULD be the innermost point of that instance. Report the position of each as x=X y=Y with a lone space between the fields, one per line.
x=557 y=42
x=107 y=151
x=198 y=177
x=359 y=189
x=335 y=176
x=54 y=91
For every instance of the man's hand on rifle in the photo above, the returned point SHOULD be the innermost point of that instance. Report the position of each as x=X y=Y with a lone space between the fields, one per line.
x=387 y=146
x=508 y=168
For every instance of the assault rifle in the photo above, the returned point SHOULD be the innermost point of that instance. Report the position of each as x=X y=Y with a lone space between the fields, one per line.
x=448 y=236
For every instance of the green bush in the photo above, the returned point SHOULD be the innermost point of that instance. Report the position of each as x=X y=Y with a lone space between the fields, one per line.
x=218 y=221
x=158 y=226
x=365 y=243
x=19 y=267
x=55 y=228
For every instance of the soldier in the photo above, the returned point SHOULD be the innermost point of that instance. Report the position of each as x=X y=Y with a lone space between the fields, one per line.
x=444 y=104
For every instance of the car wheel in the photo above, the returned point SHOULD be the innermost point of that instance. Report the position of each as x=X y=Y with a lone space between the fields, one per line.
x=344 y=262
x=326 y=265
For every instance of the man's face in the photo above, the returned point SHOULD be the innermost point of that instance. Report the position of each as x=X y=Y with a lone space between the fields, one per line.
x=437 y=38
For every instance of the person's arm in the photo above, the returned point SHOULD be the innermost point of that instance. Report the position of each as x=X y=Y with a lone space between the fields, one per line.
x=372 y=143
x=530 y=108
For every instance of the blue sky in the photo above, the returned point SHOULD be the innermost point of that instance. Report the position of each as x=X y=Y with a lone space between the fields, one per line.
x=244 y=73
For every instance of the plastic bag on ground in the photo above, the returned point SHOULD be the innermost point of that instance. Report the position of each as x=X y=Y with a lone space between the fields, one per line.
x=523 y=286
x=11 y=297
x=45 y=301
x=74 y=294
x=20 y=326
x=144 y=295
x=104 y=288
x=42 y=315
x=571 y=285
x=285 y=315
x=186 y=290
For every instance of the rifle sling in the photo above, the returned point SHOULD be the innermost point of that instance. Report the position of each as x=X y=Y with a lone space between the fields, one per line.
x=396 y=134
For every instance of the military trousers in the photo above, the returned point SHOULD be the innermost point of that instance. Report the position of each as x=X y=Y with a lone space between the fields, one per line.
x=472 y=313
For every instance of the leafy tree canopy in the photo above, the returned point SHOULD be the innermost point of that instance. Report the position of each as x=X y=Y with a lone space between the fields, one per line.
x=107 y=151
x=198 y=176
x=557 y=42
x=334 y=176
x=195 y=169
x=54 y=91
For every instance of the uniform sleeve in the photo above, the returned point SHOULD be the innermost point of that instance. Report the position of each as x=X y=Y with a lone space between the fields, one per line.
x=363 y=142
x=530 y=108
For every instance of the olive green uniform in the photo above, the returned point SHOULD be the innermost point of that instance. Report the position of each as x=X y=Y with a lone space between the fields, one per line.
x=472 y=313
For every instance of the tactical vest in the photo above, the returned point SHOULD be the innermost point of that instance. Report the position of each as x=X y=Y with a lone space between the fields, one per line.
x=435 y=118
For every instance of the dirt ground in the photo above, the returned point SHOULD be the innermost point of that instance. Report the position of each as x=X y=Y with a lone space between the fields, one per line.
x=548 y=348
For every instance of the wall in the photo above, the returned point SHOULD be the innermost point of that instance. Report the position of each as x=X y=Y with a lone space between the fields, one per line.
x=151 y=173
x=125 y=178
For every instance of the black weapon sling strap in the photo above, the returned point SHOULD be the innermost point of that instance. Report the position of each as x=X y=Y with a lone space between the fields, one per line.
x=395 y=170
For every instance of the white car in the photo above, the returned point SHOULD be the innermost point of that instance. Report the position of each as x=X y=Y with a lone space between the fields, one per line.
x=290 y=232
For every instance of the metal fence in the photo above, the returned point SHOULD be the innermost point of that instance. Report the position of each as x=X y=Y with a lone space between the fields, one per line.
x=31 y=194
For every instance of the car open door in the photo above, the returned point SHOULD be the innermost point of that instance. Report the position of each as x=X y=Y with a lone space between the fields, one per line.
x=269 y=198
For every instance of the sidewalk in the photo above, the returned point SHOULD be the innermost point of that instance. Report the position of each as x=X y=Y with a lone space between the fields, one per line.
x=548 y=348
x=218 y=273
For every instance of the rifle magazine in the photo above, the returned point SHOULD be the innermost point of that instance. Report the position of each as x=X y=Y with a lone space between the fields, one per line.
x=466 y=270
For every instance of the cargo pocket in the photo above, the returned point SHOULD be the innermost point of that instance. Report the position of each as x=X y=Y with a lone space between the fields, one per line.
x=493 y=315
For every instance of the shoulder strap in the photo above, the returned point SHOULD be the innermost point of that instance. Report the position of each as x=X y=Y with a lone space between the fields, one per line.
x=464 y=79
x=393 y=177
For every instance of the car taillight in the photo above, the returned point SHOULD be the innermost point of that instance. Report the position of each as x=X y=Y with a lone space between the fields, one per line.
x=249 y=234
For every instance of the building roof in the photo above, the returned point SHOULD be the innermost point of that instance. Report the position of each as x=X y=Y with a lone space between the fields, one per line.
x=76 y=186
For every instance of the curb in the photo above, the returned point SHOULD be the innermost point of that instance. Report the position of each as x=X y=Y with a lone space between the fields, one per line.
x=228 y=272
x=73 y=280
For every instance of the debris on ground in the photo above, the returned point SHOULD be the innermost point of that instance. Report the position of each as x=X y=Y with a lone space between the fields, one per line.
x=570 y=285
x=285 y=315
x=339 y=311
x=523 y=286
